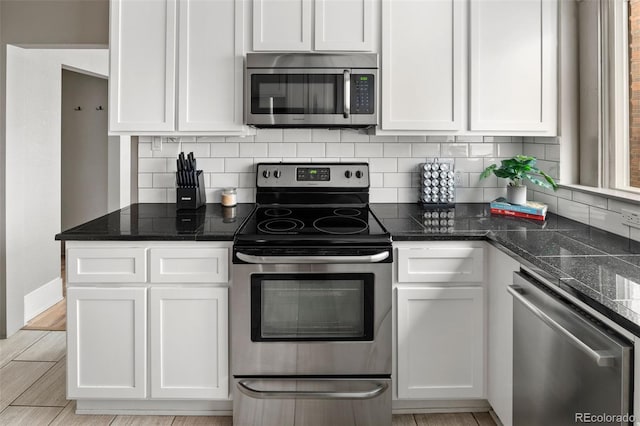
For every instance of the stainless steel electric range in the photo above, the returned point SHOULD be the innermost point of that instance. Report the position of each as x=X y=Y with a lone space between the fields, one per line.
x=311 y=301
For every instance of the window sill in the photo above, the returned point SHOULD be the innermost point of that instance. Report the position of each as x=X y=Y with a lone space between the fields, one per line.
x=616 y=194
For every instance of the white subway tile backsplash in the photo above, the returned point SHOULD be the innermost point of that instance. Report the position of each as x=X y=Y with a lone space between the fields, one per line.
x=225 y=149
x=145 y=180
x=376 y=180
x=246 y=195
x=383 y=195
x=617 y=206
x=325 y=135
x=144 y=150
x=455 y=150
x=152 y=165
x=533 y=150
x=488 y=182
x=246 y=180
x=491 y=194
x=297 y=135
x=311 y=149
x=507 y=150
x=369 y=149
x=425 y=150
x=441 y=139
x=383 y=165
x=412 y=138
x=239 y=165
x=164 y=180
x=347 y=135
x=397 y=150
x=469 y=164
x=608 y=220
x=282 y=150
x=592 y=200
x=470 y=138
x=469 y=195
x=398 y=180
x=547 y=199
x=204 y=139
x=241 y=139
x=497 y=139
x=382 y=138
x=269 y=135
x=153 y=195
x=210 y=165
x=482 y=150
x=340 y=149
x=225 y=179
x=257 y=149
x=573 y=210
x=409 y=165
x=408 y=195
x=552 y=152
x=199 y=149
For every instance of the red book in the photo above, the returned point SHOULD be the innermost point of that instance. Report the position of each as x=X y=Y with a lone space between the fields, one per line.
x=517 y=214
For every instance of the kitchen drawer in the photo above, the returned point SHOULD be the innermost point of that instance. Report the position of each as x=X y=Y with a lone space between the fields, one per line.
x=440 y=263
x=189 y=265
x=107 y=265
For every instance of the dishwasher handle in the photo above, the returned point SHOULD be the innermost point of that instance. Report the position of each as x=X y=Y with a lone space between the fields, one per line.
x=602 y=358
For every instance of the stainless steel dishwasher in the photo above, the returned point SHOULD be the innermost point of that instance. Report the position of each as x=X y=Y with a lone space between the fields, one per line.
x=568 y=367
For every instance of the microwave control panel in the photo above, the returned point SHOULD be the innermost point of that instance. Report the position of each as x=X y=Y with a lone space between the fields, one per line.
x=362 y=94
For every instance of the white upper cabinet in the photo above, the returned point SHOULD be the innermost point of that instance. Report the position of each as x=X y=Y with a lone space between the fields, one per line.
x=143 y=60
x=423 y=62
x=502 y=81
x=288 y=25
x=145 y=85
x=281 y=25
x=210 y=66
x=343 y=25
x=513 y=65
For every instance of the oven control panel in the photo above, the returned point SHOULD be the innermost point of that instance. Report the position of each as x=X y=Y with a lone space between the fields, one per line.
x=301 y=175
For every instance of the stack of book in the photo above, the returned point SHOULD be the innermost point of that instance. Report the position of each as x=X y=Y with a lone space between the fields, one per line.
x=530 y=210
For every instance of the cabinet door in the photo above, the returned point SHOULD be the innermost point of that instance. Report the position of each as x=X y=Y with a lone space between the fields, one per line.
x=282 y=25
x=189 y=343
x=423 y=58
x=500 y=334
x=440 y=342
x=142 y=70
x=106 y=343
x=210 y=74
x=513 y=78
x=343 y=25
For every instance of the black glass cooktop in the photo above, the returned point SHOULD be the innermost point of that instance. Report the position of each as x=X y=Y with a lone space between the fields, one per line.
x=318 y=223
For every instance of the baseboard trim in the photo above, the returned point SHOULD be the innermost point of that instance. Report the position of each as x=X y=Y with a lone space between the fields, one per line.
x=42 y=298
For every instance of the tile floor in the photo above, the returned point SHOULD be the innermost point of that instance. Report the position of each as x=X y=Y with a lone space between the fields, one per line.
x=32 y=392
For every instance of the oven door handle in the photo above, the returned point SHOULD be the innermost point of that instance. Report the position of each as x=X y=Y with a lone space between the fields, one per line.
x=373 y=258
x=243 y=386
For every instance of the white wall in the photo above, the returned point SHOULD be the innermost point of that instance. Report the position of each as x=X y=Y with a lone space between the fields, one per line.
x=85 y=151
x=33 y=173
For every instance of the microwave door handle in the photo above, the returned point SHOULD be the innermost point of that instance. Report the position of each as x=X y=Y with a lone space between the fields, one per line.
x=347 y=93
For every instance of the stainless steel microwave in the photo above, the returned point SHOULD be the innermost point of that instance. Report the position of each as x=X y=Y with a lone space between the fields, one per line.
x=311 y=90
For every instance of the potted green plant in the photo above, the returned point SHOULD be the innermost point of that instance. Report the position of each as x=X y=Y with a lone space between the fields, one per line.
x=517 y=170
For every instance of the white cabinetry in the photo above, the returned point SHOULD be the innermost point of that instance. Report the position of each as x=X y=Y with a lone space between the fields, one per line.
x=423 y=62
x=508 y=85
x=513 y=78
x=144 y=87
x=106 y=342
x=189 y=342
x=440 y=342
x=439 y=315
x=500 y=336
x=142 y=74
x=187 y=322
x=288 y=25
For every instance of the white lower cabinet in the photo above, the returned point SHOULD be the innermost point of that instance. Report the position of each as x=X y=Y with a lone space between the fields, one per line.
x=106 y=342
x=189 y=343
x=500 y=337
x=440 y=346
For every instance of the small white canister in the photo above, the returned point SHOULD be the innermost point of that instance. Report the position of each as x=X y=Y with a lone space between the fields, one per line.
x=229 y=197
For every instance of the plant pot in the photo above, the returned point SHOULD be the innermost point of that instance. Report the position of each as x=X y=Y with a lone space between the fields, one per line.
x=517 y=194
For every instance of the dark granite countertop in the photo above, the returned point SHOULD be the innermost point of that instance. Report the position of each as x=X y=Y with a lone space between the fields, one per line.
x=156 y=222
x=599 y=268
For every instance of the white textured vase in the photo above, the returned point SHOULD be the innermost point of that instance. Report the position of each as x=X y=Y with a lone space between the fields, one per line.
x=517 y=194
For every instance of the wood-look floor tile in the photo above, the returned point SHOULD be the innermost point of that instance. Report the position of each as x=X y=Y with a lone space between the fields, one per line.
x=445 y=419
x=48 y=391
x=32 y=416
x=484 y=419
x=11 y=347
x=142 y=421
x=68 y=417
x=203 y=420
x=403 y=420
x=17 y=376
x=53 y=319
x=51 y=347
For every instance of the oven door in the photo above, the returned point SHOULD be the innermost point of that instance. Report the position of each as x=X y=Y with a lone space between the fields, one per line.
x=310 y=97
x=311 y=319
